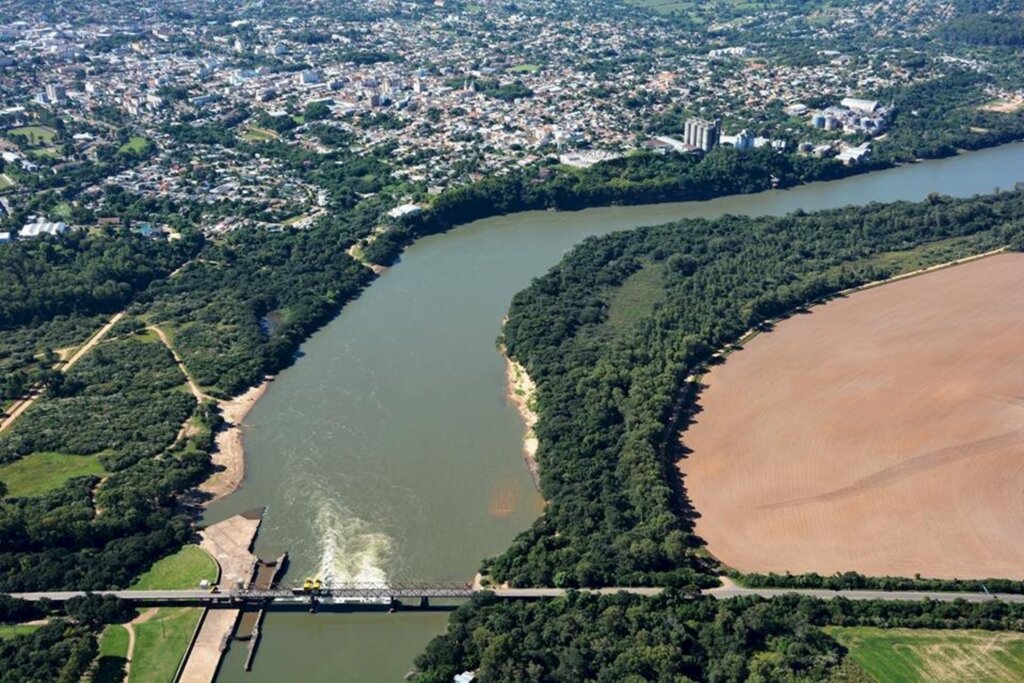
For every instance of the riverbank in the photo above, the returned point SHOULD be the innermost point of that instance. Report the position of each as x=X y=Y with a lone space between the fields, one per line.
x=395 y=421
x=229 y=457
x=522 y=392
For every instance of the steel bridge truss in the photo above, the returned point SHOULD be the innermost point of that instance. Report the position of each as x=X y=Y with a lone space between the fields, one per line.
x=360 y=591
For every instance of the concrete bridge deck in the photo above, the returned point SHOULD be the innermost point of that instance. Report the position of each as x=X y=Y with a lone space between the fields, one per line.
x=376 y=595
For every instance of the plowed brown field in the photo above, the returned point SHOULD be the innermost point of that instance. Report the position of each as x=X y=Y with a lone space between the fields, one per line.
x=881 y=433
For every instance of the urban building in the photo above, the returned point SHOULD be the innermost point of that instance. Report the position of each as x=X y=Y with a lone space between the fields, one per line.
x=701 y=133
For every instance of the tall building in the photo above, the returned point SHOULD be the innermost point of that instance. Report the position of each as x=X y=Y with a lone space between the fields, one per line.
x=55 y=93
x=701 y=133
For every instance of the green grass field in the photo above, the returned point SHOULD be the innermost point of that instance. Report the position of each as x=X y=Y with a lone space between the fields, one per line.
x=136 y=144
x=161 y=640
x=635 y=299
x=62 y=210
x=160 y=644
x=36 y=135
x=254 y=134
x=8 y=631
x=525 y=68
x=184 y=569
x=39 y=473
x=934 y=656
x=110 y=667
x=48 y=152
x=5 y=181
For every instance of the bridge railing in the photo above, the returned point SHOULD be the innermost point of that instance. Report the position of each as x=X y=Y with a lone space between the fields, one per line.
x=363 y=591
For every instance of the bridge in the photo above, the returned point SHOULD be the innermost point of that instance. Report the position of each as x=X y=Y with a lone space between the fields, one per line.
x=368 y=594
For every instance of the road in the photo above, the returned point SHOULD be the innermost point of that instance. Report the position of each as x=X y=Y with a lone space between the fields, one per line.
x=24 y=404
x=193 y=386
x=722 y=593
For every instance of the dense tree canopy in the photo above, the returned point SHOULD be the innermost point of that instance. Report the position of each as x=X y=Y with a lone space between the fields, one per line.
x=609 y=393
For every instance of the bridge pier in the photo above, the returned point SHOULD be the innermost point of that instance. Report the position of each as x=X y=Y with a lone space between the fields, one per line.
x=424 y=602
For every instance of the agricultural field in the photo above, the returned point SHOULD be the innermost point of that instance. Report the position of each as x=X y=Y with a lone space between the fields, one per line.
x=873 y=434
x=39 y=473
x=935 y=656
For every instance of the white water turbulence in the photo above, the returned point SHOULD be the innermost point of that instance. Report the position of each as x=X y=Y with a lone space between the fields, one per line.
x=351 y=551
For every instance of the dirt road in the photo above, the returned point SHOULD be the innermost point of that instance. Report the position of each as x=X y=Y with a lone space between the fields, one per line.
x=64 y=366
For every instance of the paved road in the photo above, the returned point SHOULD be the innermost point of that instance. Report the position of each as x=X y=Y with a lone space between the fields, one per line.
x=722 y=593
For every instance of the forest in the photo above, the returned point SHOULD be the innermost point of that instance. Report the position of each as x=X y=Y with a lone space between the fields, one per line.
x=61 y=650
x=124 y=404
x=636 y=179
x=855 y=581
x=1005 y=30
x=122 y=401
x=243 y=309
x=676 y=637
x=610 y=395
x=80 y=274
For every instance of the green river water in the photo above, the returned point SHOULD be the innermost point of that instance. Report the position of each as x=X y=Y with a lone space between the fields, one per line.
x=390 y=452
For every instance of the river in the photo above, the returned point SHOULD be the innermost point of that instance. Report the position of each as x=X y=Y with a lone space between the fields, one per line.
x=389 y=450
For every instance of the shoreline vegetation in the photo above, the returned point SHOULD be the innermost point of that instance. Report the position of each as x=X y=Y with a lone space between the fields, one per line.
x=610 y=389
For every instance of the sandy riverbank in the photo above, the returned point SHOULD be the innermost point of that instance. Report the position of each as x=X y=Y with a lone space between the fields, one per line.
x=522 y=392
x=229 y=456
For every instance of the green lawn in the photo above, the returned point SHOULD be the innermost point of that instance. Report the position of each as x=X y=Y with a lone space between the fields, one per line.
x=184 y=569
x=39 y=473
x=934 y=656
x=8 y=631
x=113 y=655
x=136 y=144
x=525 y=68
x=161 y=641
x=5 y=181
x=36 y=135
x=160 y=644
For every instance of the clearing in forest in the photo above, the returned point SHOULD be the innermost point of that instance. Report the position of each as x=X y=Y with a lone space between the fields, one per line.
x=881 y=433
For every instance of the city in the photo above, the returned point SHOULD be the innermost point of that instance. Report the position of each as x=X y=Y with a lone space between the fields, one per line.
x=483 y=341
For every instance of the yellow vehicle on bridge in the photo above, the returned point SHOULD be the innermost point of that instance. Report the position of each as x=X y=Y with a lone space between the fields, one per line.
x=312 y=584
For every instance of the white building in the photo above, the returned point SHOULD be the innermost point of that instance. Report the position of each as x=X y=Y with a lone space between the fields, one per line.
x=859 y=106
x=404 y=210
x=42 y=228
x=851 y=156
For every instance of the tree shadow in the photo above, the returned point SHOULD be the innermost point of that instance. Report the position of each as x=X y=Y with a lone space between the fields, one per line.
x=110 y=669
